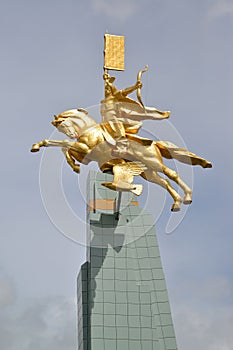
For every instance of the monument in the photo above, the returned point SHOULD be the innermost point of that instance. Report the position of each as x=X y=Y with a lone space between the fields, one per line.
x=122 y=297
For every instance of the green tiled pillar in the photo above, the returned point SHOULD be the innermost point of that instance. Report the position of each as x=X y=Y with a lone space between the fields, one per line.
x=122 y=296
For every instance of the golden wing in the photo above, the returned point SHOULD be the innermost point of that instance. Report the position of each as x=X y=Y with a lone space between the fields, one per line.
x=125 y=172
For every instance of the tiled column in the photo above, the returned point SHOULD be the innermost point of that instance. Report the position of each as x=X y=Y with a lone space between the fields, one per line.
x=122 y=296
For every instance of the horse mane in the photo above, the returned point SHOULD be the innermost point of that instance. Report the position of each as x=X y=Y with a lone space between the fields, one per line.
x=81 y=118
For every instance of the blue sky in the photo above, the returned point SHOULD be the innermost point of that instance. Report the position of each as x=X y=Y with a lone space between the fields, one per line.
x=51 y=60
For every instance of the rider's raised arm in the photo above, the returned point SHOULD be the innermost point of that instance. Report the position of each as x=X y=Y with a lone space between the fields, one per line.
x=131 y=89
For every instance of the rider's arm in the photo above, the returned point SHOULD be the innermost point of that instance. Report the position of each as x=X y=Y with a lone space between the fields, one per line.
x=131 y=89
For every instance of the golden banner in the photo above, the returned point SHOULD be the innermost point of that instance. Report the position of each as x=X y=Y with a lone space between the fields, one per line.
x=114 y=52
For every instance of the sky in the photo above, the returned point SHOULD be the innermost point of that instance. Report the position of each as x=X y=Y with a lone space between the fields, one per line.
x=51 y=61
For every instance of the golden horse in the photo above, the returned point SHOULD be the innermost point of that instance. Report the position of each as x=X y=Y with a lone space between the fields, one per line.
x=142 y=157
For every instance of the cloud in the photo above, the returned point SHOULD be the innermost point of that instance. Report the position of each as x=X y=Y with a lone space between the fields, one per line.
x=199 y=329
x=119 y=10
x=49 y=323
x=7 y=291
x=221 y=8
x=203 y=314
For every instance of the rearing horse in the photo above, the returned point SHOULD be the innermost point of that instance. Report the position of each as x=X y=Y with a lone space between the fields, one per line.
x=142 y=157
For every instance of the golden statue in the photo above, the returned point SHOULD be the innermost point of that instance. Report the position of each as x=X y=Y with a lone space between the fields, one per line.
x=114 y=144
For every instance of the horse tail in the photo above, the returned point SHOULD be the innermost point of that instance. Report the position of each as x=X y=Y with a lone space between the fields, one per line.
x=169 y=150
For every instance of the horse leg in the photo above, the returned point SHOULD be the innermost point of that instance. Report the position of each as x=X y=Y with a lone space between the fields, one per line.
x=152 y=176
x=75 y=146
x=175 y=177
x=70 y=160
x=49 y=143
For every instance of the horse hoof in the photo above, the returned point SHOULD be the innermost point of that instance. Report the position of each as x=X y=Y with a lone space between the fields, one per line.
x=35 y=148
x=175 y=207
x=187 y=198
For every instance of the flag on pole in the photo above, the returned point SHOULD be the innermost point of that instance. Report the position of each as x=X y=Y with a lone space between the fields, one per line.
x=114 y=52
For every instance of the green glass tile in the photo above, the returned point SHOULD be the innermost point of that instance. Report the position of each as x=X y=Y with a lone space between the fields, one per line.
x=96 y=251
x=85 y=332
x=120 y=274
x=145 y=298
x=148 y=219
x=97 y=332
x=157 y=333
x=132 y=286
x=133 y=297
x=121 y=297
x=84 y=297
x=96 y=261
x=157 y=273
x=170 y=344
x=135 y=345
x=144 y=263
x=97 y=284
x=121 y=320
x=138 y=231
x=98 y=308
x=146 y=333
x=134 y=321
x=109 y=332
x=164 y=308
x=132 y=264
x=168 y=331
x=84 y=320
x=120 y=285
x=109 y=262
x=85 y=344
x=120 y=263
x=146 y=321
x=134 y=333
x=121 y=309
x=97 y=344
x=108 y=285
x=122 y=344
x=97 y=296
x=108 y=274
x=145 y=309
x=108 y=220
x=119 y=239
x=141 y=242
x=133 y=309
x=95 y=272
x=109 y=308
x=154 y=308
x=152 y=242
x=155 y=261
x=122 y=333
x=159 y=285
x=110 y=344
x=142 y=252
x=146 y=275
x=85 y=308
x=109 y=296
x=84 y=286
x=109 y=320
x=162 y=296
x=97 y=320
x=166 y=319
x=147 y=345
x=158 y=344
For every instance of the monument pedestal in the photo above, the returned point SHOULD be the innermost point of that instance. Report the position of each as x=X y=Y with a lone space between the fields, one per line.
x=122 y=296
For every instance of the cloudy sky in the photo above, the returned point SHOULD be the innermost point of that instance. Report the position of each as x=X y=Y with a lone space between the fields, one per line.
x=51 y=60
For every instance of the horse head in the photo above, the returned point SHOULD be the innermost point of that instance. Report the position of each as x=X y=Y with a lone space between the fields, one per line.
x=73 y=122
